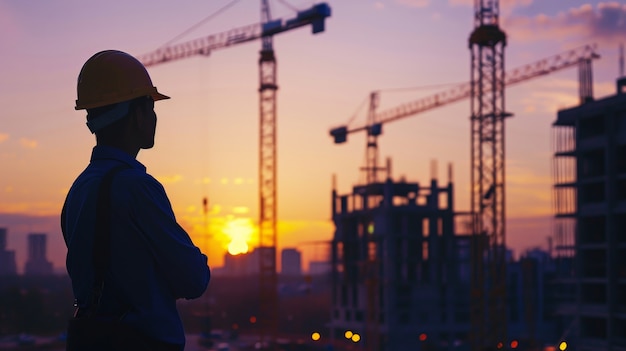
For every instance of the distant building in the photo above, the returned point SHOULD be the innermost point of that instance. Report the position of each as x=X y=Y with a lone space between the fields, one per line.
x=291 y=262
x=590 y=221
x=37 y=262
x=7 y=257
x=319 y=267
x=531 y=299
x=242 y=264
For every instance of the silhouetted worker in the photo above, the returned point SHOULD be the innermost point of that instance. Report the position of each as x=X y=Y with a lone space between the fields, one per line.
x=150 y=261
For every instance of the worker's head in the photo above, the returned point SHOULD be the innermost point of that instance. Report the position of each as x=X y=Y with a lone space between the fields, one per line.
x=117 y=92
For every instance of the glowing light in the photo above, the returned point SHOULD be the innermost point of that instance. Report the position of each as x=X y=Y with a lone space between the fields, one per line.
x=423 y=337
x=563 y=346
x=514 y=344
x=170 y=179
x=252 y=319
x=315 y=336
x=237 y=247
x=370 y=228
x=240 y=210
x=239 y=230
x=356 y=337
x=500 y=345
x=348 y=334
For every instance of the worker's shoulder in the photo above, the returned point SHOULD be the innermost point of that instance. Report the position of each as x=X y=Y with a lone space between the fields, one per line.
x=136 y=179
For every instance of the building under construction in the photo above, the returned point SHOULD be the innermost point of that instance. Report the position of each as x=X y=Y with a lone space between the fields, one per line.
x=590 y=233
x=400 y=271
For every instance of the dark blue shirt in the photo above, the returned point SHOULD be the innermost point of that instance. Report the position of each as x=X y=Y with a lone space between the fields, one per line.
x=153 y=260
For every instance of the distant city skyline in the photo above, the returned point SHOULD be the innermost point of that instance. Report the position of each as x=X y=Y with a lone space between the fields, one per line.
x=17 y=240
x=36 y=261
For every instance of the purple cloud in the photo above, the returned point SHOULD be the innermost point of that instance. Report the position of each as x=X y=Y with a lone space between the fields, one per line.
x=604 y=23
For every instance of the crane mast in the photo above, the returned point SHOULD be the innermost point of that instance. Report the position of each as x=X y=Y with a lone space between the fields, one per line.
x=268 y=304
x=488 y=263
x=373 y=131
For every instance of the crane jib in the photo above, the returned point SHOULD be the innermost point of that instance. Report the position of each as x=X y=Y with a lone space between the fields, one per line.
x=315 y=16
x=518 y=75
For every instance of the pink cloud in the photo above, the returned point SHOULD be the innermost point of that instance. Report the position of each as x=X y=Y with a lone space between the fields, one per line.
x=605 y=23
x=414 y=3
x=3 y=137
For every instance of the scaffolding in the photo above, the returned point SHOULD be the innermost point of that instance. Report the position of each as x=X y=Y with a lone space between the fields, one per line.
x=564 y=208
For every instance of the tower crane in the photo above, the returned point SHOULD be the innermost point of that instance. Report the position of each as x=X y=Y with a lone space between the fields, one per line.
x=314 y=16
x=488 y=312
x=375 y=120
x=488 y=294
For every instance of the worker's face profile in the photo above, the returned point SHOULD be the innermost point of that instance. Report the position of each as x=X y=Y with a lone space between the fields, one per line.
x=147 y=123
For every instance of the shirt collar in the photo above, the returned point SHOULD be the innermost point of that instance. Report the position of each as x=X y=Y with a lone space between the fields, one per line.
x=103 y=152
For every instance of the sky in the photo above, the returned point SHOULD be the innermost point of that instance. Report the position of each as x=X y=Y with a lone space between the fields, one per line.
x=207 y=134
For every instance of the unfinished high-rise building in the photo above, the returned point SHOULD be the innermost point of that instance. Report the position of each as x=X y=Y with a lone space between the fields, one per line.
x=400 y=271
x=590 y=232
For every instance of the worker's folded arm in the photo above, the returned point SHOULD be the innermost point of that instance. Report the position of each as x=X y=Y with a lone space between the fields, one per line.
x=181 y=262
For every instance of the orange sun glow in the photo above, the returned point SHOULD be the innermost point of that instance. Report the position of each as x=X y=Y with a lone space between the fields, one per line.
x=239 y=231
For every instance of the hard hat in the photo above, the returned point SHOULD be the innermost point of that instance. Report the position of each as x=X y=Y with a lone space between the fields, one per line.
x=110 y=77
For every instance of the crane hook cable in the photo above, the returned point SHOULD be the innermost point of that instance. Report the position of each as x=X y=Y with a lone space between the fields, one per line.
x=356 y=112
x=290 y=6
x=422 y=87
x=206 y=19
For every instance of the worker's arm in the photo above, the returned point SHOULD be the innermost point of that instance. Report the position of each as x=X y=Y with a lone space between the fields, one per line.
x=183 y=266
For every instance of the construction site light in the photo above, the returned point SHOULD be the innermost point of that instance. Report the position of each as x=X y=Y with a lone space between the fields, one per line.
x=315 y=336
x=348 y=334
x=356 y=337
x=563 y=346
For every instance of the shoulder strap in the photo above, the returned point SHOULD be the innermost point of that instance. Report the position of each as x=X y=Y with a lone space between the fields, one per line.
x=101 y=249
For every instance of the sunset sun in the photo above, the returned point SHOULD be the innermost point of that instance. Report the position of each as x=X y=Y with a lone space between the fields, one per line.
x=239 y=231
